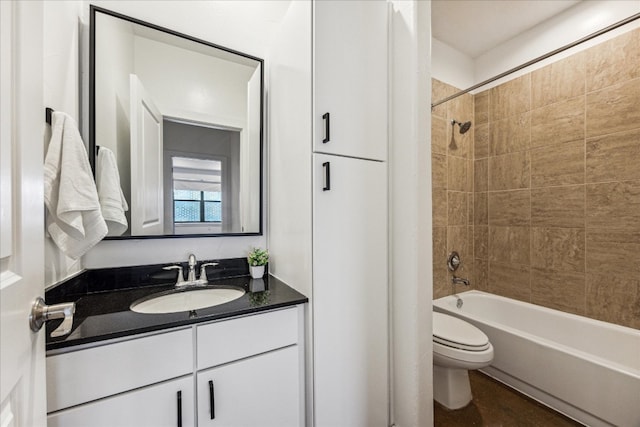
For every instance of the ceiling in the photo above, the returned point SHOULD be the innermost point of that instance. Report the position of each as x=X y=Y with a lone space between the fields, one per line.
x=474 y=27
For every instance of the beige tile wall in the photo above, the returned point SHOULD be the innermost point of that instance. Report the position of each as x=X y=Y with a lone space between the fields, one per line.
x=542 y=197
x=556 y=171
x=452 y=176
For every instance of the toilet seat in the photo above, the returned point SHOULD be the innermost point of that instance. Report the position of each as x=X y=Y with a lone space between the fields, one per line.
x=452 y=332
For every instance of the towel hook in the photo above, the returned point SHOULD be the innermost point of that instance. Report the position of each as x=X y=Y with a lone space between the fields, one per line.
x=48 y=112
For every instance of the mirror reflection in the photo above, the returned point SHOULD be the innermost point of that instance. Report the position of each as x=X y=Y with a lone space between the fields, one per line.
x=183 y=119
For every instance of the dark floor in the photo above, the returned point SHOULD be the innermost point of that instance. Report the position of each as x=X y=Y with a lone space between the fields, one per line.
x=497 y=405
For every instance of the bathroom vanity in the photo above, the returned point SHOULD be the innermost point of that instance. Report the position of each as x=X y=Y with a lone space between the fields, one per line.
x=238 y=363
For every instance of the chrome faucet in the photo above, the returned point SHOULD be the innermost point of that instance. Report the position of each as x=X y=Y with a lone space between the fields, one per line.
x=191 y=275
x=459 y=281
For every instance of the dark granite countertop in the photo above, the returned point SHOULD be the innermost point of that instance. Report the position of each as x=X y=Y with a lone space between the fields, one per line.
x=103 y=298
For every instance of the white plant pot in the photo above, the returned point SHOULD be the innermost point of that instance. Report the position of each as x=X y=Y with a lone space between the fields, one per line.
x=257 y=271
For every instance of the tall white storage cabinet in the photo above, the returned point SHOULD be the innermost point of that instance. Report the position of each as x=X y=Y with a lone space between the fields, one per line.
x=350 y=272
x=350 y=78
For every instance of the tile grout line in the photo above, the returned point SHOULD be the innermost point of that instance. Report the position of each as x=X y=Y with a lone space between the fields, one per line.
x=584 y=285
x=530 y=192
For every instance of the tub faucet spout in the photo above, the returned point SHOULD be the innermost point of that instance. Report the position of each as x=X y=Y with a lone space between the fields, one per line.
x=459 y=280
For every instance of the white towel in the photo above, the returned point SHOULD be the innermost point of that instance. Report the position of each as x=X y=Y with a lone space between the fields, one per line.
x=112 y=200
x=74 y=221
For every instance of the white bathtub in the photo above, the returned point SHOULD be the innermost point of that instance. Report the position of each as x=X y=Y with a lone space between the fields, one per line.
x=584 y=368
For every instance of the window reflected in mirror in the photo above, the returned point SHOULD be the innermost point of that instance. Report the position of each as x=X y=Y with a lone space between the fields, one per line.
x=197 y=192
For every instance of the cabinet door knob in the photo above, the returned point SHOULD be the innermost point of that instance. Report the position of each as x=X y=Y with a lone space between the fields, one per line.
x=212 y=401
x=327 y=127
x=180 y=408
x=327 y=176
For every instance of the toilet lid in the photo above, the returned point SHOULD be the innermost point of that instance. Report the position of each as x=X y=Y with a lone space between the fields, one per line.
x=454 y=332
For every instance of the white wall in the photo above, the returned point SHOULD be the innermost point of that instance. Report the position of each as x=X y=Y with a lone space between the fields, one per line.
x=112 y=95
x=410 y=213
x=192 y=85
x=571 y=25
x=290 y=137
x=250 y=158
x=243 y=26
x=115 y=37
x=61 y=92
x=289 y=105
x=451 y=66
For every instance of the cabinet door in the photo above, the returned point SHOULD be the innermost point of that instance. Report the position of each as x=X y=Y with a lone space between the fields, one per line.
x=260 y=391
x=153 y=406
x=350 y=292
x=350 y=78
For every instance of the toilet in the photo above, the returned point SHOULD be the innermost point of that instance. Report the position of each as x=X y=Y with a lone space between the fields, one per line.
x=458 y=346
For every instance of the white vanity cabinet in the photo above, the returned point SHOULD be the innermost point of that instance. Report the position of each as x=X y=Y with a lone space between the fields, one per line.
x=255 y=364
x=350 y=78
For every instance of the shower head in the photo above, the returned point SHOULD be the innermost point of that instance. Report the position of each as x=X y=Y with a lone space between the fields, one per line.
x=464 y=127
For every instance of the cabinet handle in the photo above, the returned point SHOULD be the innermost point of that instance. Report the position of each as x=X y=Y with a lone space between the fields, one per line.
x=212 y=401
x=327 y=176
x=180 y=408
x=327 y=127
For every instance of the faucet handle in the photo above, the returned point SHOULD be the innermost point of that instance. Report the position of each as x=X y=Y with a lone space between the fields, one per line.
x=203 y=271
x=180 y=279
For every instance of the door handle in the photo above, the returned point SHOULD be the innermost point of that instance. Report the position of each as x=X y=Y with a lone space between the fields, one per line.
x=41 y=312
x=212 y=401
x=327 y=176
x=327 y=128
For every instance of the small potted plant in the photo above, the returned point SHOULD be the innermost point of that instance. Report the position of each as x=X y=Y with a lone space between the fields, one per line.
x=257 y=258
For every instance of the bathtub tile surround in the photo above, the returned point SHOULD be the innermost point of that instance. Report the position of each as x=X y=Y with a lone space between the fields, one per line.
x=558 y=82
x=620 y=149
x=454 y=207
x=623 y=51
x=555 y=201
x=510 y=134
x=574 y=203
x=509 y=99
x=557 y=123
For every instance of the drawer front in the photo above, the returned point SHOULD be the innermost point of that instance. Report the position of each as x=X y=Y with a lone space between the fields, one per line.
x=81 y=376
x=153 y=406
x=235 y=339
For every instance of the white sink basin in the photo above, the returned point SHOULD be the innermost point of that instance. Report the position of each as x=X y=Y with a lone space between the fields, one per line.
x=186 y=300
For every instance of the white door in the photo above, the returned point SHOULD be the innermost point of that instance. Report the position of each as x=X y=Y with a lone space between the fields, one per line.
x=350 y=78
x=22 y=367
x=147 y=208
x=350 y=292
